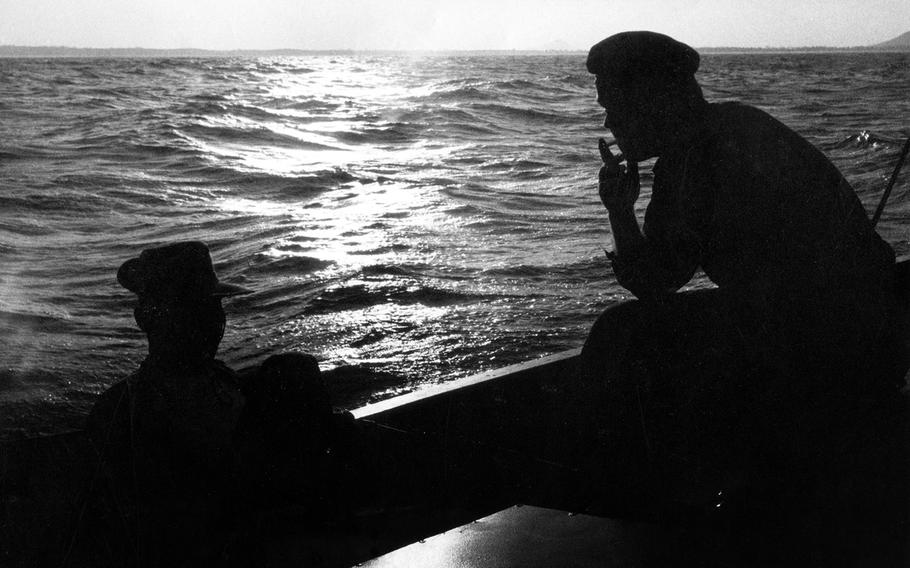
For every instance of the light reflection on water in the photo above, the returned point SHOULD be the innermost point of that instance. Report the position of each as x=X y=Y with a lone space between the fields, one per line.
x=430 y=217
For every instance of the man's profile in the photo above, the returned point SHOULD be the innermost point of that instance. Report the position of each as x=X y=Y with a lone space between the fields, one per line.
x=761 y=372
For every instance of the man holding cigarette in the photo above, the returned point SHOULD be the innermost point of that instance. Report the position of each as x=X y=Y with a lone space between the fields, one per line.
x=799 y=326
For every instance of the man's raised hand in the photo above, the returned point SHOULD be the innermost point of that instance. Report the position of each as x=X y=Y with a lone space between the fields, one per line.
x=619 y=183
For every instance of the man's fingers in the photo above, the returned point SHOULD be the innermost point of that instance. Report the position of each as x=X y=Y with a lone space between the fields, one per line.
x=612 y=171
x=605 y=153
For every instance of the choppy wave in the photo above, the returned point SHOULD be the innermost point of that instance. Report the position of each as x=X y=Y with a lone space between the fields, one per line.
x=416 y=218
x=297 y=265
x=866 y=139
x=252 y=137
x=363 y=295
x=17 y=321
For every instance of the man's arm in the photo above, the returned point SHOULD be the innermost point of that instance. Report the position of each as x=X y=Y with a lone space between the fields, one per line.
x=645 y=264
x=619 y=188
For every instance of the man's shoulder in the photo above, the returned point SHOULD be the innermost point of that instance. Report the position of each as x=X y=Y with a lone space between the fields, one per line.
x=111 y=399
x=733 y=107
x=735 y=111
x=739 y=130
x=738 y=121
x=113 y=403
x=110 y=413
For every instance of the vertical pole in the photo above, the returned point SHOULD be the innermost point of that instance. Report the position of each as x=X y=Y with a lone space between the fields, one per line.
x=897 y=169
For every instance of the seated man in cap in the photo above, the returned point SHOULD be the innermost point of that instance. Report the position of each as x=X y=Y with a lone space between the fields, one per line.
x=791 y=335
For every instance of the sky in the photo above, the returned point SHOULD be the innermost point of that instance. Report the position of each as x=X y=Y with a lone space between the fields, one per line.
x=444 y=25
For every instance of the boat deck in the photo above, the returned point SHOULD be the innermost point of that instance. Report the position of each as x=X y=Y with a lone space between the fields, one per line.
x=535 y=537
x=531 y=434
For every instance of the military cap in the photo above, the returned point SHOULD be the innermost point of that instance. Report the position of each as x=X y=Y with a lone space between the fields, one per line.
x=642 y=55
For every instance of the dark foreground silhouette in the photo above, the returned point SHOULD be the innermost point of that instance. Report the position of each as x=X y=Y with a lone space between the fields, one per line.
x=777 y=380
x=190 y=453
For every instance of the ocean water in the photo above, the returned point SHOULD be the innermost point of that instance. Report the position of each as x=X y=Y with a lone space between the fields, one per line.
x=420 y=217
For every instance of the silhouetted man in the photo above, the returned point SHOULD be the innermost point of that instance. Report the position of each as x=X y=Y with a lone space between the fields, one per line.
x=166 y=431
x=754 y=373
x=193 y=454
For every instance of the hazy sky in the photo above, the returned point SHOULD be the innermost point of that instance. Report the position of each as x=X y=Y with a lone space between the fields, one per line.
x=437 y=24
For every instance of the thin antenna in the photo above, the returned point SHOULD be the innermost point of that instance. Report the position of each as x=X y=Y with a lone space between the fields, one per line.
x=897 y=169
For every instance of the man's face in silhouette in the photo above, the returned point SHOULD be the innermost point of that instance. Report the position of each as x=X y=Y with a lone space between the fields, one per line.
x=181 y=328
x=632 y=117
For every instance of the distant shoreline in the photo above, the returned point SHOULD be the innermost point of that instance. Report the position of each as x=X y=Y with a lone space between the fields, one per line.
x=16 y=51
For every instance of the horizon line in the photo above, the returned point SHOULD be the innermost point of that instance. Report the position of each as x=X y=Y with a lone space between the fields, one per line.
x=19 y=47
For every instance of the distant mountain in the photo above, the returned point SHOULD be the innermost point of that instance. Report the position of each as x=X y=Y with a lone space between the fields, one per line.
x=901 y=42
